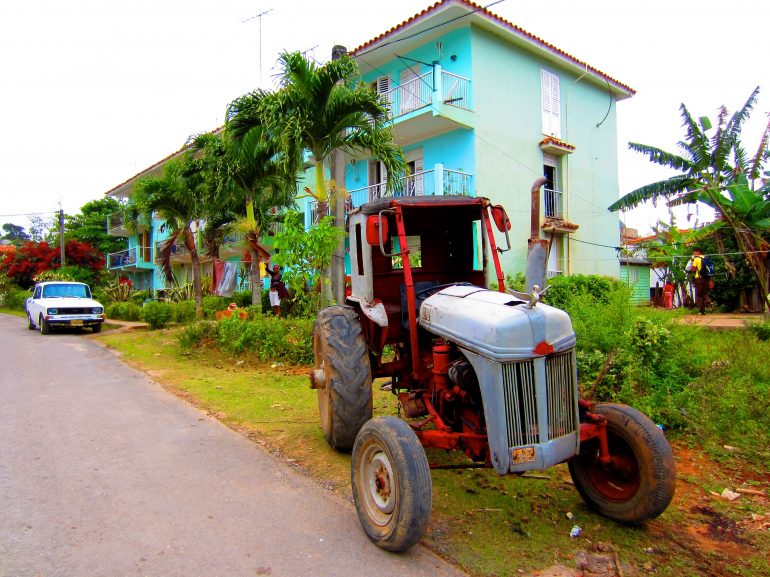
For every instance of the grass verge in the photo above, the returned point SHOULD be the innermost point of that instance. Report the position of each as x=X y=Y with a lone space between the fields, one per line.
x=489 y=525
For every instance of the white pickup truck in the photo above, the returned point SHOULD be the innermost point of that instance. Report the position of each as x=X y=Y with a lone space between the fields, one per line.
x=63 y=304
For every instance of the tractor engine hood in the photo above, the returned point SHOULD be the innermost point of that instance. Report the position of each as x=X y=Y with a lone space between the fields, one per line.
x=496 y=325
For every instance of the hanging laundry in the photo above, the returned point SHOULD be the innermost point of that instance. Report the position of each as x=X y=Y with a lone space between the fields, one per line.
x=226 y=286
x=216 y=275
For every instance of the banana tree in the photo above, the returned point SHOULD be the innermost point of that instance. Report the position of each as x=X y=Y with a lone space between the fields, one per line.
x=717 y=172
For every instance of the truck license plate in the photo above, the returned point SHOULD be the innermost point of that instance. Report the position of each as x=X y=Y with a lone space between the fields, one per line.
x=76 y=323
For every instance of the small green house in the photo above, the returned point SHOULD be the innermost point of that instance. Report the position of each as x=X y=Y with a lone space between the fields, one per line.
x=635 y=272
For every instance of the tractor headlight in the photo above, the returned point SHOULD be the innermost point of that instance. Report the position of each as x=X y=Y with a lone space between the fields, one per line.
x=52 y=311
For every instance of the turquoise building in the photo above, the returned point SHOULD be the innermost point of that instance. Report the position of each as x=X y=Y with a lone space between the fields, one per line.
x=480 y=107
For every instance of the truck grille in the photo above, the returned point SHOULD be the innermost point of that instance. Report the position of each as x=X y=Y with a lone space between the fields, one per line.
x=520 y=397
x=75 y=311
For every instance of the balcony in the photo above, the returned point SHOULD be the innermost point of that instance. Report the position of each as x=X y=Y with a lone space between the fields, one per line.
x=553 y=211
x=552 y=203
x=232 y=244
x=179 y=252
x=132 y=259
x=438 y=181
x=116 y=225
x=433 y=103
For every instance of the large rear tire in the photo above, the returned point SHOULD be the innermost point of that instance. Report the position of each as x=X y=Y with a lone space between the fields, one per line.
x=391 y=484
x=639 y=482
x=345 y=389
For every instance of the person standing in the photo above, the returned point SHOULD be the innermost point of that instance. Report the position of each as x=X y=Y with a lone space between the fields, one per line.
x=696 y=267
x=277 y=288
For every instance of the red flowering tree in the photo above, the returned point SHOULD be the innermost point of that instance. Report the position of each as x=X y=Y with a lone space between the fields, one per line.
x=34 y=258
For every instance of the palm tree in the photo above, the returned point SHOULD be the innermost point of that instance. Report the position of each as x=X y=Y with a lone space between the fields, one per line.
x=717 y=172
x=175 y=198
x=321 y=109
x=247 y=172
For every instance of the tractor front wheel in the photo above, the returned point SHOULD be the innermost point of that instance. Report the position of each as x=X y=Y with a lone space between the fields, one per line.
x=638 y=483
x=391 y=484
x=341 y=375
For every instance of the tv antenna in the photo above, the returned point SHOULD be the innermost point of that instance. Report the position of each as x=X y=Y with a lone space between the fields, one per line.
x=263 y=13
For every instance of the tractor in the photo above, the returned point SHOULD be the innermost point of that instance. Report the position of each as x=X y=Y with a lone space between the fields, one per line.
x=491 y=373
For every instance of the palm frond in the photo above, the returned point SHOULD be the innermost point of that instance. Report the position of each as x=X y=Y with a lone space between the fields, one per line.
x=661 y=157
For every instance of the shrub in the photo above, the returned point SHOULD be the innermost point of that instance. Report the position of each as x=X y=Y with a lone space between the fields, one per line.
x=268 y=337
x=15 y=299
x=197 y=333
x=242 y=298
x=183 y=311
x=761 y=330
x=561 y=289
x=124 y=311
x=212 y=303
x=157 y=314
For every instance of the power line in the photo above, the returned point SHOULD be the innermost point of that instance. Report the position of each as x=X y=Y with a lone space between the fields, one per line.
x=29 y=214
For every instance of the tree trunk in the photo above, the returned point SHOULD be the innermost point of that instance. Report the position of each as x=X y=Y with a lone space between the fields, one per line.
x=322 y=210
x=337 y=265
x=256 y=281
x=189 y=239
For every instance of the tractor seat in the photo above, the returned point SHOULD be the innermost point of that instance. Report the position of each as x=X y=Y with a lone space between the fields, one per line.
x=419 y=286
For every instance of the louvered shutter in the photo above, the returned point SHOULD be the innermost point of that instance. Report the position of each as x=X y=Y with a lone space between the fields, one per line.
x=551 y=104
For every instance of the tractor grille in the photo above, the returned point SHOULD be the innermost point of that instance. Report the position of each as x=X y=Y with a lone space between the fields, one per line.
x=560 y=372
x=520 y=397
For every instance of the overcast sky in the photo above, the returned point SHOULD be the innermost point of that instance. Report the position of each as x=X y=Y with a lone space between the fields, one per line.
x=94 y=91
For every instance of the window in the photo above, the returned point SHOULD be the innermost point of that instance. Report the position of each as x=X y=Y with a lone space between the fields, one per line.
x=552 y=194
x=415 y=255
x=551 y=103
x=382 y=86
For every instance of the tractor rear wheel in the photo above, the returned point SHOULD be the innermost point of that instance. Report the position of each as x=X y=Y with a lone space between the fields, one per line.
x=342 y=375
x=391 y=483
x=638 y=483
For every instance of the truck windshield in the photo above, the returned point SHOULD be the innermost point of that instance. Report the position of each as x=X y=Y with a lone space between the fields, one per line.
x=66 y=290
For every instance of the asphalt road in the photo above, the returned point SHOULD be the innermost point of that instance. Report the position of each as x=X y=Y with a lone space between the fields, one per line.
x=102 y=473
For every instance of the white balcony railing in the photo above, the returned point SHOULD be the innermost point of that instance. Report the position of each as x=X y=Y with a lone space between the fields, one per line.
x=435 y=182
x=552 y=203
x=122 y=258
x=455 y=90
x=433 y=88
x=552 y=273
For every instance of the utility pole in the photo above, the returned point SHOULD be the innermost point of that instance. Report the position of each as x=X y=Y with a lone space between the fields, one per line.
x=61 y=235
x=263 y=13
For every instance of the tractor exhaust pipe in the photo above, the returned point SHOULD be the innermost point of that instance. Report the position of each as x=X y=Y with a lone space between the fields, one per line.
x=537 y=248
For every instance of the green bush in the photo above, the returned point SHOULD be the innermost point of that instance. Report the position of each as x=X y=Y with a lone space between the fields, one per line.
x=561 y=289
x=269 y=338
x=242 y=298
x=183 y=311
x=212 y=304
x=15 y=299
x=197 y=333
x=761 y=330
x=128 y=311
x=157 y=314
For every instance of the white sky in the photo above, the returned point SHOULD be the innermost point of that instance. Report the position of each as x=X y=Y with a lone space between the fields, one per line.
x=94 y=91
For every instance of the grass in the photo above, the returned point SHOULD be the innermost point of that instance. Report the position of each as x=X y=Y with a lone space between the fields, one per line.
x=487 y=524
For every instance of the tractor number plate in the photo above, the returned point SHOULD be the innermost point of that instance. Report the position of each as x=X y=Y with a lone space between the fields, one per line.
x=525 y=455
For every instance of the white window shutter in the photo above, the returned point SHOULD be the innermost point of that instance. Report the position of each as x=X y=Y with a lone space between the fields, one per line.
x=551 y=103
x=383 y=84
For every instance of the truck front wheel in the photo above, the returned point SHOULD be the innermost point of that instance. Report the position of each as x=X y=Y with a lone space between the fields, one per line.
x=341 y=375
x=391 y=483
x=638 y=483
